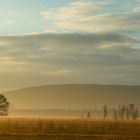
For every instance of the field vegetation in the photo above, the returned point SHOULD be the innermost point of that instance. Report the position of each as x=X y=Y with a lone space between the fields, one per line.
x=68 y=129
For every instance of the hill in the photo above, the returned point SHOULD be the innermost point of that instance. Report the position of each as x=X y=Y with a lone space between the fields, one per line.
x=73 y=96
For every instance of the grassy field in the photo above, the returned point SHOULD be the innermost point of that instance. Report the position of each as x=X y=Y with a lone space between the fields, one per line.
x=67 y=129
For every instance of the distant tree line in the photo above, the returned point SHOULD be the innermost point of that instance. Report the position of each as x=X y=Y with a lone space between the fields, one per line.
x=129 y=112
x=122 y=112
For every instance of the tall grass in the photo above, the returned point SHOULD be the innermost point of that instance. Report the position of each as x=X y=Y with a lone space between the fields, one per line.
x=67 y=129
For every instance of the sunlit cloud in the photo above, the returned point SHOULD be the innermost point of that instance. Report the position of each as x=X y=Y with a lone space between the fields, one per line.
x=57 y=72
x=89 y=17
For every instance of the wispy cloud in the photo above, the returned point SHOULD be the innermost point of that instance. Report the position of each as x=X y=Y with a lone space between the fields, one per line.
x=93 y=17
x=55 y=73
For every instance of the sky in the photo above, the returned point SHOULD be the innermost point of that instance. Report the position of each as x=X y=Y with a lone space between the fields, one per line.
x=69 y=41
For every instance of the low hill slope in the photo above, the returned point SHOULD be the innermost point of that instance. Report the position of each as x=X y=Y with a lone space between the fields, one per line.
x=73 y=96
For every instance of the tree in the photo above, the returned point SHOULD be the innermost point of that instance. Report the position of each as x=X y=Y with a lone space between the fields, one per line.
x=127 y=112
x=121 y=111
x=4 y=105
x=135 y=114
x=105 y=111
x=115 y=114
x=88 y=115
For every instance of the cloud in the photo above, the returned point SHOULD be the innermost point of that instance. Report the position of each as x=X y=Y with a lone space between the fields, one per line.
x=136 y=9
x=60 y=58
x=70 y=58
x=93 y=17
x=73 y=10
x=57 y=72
x=9 y=22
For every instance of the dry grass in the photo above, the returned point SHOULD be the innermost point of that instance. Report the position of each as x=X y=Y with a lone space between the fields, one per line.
x=67 y=129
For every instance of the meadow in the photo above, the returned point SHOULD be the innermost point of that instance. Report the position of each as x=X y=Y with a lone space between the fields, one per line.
x=67 y=129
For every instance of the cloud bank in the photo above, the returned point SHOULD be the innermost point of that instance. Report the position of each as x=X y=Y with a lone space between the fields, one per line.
x=107 y=58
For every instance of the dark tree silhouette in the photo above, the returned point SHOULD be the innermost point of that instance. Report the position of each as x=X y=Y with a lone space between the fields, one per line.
x=4 y=105
x=88 y=115
x=126 y=112
x=121 y=111
x=105 y=111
